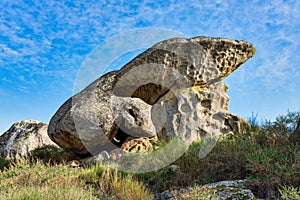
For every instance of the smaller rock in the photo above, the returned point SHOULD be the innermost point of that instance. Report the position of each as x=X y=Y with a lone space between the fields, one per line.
x=23 y=137
x=116 y=154
x=137 y=145
x=166 y=195
x=133 y=116
x=173 y=168
x=233 y=190
x=103 y=156
x=114 y=198
x=73 y=163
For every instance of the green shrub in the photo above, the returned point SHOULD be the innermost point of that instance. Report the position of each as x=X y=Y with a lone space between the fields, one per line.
x=283 y=126
x=265 y=159
x=114 y=183
x=52 y=154
x=290 y=193
x=4 y=163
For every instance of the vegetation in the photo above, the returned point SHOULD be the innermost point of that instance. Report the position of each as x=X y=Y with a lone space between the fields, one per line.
x=290 y=193
x=51 y=154
x=4 y=163
x=263 y=154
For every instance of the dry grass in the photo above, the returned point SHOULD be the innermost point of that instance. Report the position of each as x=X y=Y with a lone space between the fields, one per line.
x=262 y=154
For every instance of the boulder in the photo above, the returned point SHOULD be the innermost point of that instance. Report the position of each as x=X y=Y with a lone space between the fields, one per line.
x=198 y=112
x=223 y=190
x=95 y=120
x=234 y=189
x=172 y=88
x=23 y=137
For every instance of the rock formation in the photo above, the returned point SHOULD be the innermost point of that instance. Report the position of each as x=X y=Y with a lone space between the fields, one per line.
x=236 y=189
x=172 y=89
x=23 y=137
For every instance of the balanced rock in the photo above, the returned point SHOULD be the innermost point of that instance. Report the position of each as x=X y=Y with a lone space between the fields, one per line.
x=23 y=137
x=172 y=88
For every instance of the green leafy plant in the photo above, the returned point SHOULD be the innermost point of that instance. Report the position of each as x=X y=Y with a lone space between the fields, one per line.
x=52 y=154
x=4 y=163
x=284 y=125
x=290 y=193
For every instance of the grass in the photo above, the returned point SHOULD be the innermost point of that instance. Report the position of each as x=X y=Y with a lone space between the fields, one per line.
x=25 y=180
x=290 y=193
x=198 y=193
x=267 y=159
x=262 y=154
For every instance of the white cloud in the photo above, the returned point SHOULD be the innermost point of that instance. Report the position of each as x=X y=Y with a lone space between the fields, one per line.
x=48 y=40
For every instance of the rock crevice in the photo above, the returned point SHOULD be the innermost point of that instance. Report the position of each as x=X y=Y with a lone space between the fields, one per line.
x=172 y=89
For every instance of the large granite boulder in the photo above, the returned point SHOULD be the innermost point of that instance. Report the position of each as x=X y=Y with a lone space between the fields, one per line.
x=23 y=137
x=173 y=88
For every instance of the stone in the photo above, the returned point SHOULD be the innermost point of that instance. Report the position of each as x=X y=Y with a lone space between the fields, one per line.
x=198 y=112
x=189 y=62
x=166 y=195
x=100 y=116
x=116 y=154
x=23 y=137
x=173 y=168
x=223 y=190
x=137 y=145
x=173 y=87
x=133 y=115
x=73 y=163
x=102 y=157
x=234 y=190
x=88 y=112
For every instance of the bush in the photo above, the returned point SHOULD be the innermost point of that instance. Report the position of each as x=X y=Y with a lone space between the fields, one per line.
x=266 y=159
x=52 y=154
x=112 y=182
x=4 y=163
x=290 y=193
x=283 y=126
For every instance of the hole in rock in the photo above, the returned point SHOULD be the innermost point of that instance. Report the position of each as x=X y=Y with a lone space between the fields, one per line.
x=206 y=103
x=130 y=111
x=227 y=123
x=150 y=93
x=119 y=138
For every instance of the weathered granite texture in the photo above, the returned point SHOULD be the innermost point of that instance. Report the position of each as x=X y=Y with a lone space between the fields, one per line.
x=23 y=137
x=172 y=89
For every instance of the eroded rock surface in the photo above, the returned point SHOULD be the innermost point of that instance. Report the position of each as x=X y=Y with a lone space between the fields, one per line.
x=23 y=137
x=223 y=190
x=226 y=190
x=170 y=89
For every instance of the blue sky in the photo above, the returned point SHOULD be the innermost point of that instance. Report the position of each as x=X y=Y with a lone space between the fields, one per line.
x=43 y=43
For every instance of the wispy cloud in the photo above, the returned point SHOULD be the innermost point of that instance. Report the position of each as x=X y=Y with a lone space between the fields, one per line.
x=44 y=42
